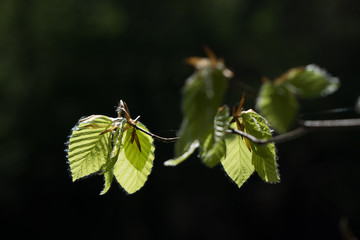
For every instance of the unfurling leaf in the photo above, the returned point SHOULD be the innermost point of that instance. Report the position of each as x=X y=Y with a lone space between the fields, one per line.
x=237 y=163
x=107 y=169
x=133 y=166
x=89 y=149
x=213 y=149
x=310 y=81
x=263 y=156
x=278 y=105
x=213 y=152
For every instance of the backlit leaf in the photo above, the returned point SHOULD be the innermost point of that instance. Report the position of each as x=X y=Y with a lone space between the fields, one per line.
x=213 y=152
x=108 y=177
x=89 y=149
x=213 y=149
x=263 y=156
x=202 y=96
x=238 y=162
x=310 y=81
x=107 y=169
x=133 y=166
x=278 y=105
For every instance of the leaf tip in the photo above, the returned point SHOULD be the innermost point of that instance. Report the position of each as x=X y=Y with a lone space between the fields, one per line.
x=170 y=163
x=73 y=178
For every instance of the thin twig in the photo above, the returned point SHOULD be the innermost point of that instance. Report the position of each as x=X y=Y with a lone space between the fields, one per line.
x=305 y=127
x=325 y=124
x=162 y=139
x=277 y=139
x=123 y=108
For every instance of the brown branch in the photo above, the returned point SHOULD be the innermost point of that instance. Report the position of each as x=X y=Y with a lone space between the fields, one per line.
x=305 y=127
x=277 y=139
x=326 y=124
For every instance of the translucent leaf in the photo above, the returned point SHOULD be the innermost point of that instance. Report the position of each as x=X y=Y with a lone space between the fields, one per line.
x=108 y=177
x=133 y=166
x=310 y=81
x=237 y=163
x=89 y=149
x=263 y=156
x=116 y=146
x=190 y=150
x=213 y=149
x=278 y=105
x=212 y=154
x=203 y=94
x=107 y=169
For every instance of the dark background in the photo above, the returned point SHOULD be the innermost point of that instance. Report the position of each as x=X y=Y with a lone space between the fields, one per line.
x=64 y=59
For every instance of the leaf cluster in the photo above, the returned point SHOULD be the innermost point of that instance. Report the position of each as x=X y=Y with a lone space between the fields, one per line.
x=123 y=148
x=112 y=147
x=277 y=99
x=206 y=123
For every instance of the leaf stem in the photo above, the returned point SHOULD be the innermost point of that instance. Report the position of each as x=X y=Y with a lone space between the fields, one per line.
x=162 y=139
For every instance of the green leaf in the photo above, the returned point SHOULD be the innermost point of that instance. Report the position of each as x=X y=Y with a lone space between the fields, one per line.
x=213 y=149
x=278 y=105
x=238 y=162
x=133 y=166
x=202 y=96
x=189 y=150
x=263 y=156
x=108 y=177
x=116 y=146
x=215 y=152
x=310 y=81
x=89 y=149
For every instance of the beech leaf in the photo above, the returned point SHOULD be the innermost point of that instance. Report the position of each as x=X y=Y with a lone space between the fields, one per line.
x=202 y=96
x=133 y=166
x=278 y=105
x=213 y=149
x=310 y=81
x=89 y=149
x=238 y=162
x=263 y=156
